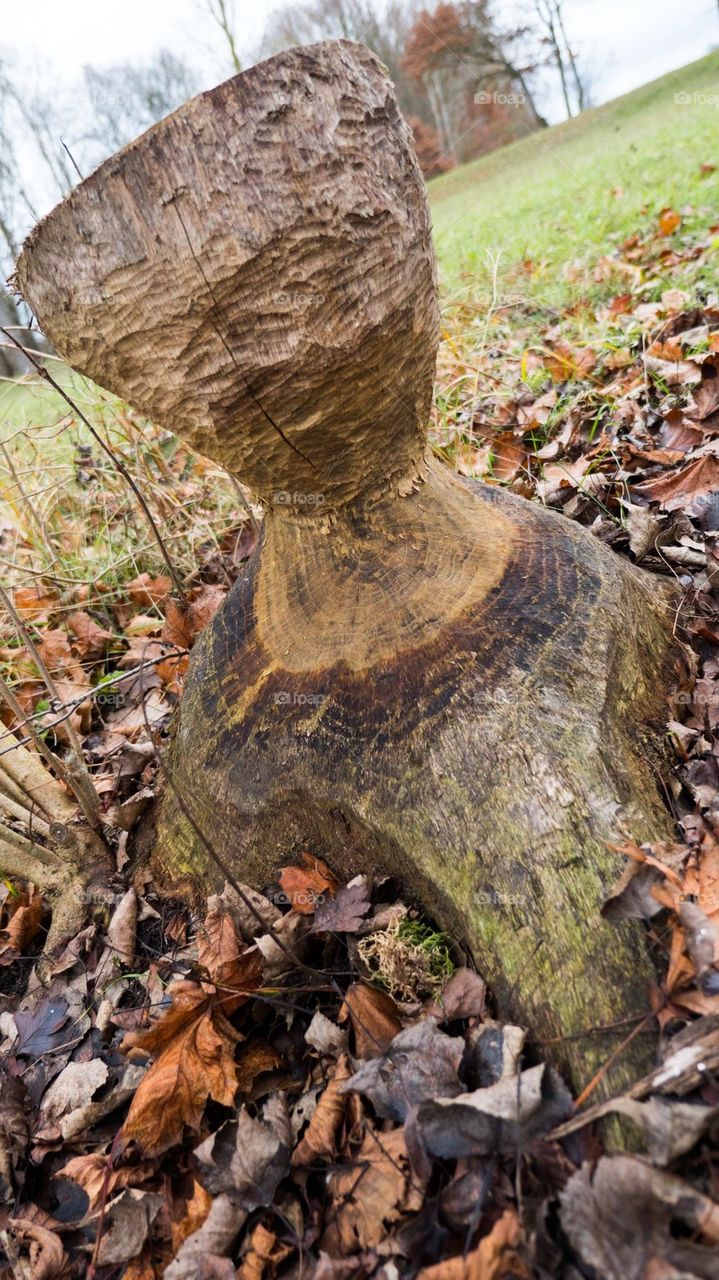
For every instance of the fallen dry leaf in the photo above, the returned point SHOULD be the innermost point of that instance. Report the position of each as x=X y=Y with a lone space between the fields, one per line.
x=146 y=591
x=500 y=1117
x=421 y=1063
x=509 y=456
x=97 y=1176
x=679 y=489
x=345 y=912
x=669 y=220
x=618 y=1214
x=374 y=1016
x=47 y=1257
x=194 y=1051
x=319 y=1142
x=245 y=1159
x=366 y=1198
x=34 y=603
x=26 y=909
x=230 y=963
x=90 y=637
x=705 y=400
x=304 y=886
x=263 y=1253
x=497 y=1256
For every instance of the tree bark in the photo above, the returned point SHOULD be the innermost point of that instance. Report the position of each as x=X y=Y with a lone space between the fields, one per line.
x=416 y=675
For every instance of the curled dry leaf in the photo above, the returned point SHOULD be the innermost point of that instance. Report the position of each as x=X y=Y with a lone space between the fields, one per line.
x=319 y=1141
x=307 y=884
x=374 y=1016
x=47 y=1256
x=232 y=966
x=194 y=1051
x=421 y=1063
x=26 y=909
x=497 y=1257
x=263 y=1253
x=618 y=1216
x=245 y=1159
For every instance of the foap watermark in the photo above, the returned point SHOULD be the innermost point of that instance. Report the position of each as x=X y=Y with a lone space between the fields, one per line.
x=293 y=698
x=300 y=898
x=284 y=499
x=491 y=897
x=298 y=298
x=696 y=99
x=486 y=98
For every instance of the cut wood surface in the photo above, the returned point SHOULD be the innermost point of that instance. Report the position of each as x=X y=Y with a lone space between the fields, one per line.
x=417 y=675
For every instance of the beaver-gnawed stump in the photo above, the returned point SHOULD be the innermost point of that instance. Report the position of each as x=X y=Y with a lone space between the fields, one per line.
x=416 y=675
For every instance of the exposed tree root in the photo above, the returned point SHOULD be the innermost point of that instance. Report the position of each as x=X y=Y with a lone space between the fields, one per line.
x=44 y=839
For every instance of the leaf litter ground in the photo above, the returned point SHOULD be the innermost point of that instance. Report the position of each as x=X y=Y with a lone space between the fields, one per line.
x=310 y=1080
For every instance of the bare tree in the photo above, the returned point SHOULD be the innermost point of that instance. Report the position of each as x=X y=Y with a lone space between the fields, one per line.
x=222 y=13
x=126 y=99
x=554 y=36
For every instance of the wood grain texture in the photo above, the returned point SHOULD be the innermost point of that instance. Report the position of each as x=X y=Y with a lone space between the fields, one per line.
x=488 y=761
x=256 y=274
x=416 y=675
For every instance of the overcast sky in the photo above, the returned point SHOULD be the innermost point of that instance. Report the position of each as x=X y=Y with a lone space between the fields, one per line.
x=628 y=41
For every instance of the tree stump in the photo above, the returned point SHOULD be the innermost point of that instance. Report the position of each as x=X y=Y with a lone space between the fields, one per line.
x=417 y=675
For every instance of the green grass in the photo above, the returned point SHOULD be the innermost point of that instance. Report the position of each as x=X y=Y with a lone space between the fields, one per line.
x=564 y=196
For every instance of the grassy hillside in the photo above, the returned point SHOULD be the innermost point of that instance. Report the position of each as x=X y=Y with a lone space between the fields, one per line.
x=528 y=238
x=562 y=197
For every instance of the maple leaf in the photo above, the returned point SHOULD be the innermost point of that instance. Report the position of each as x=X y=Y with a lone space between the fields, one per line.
x=345 y=912
x=305 y=885
x=194 y=1051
